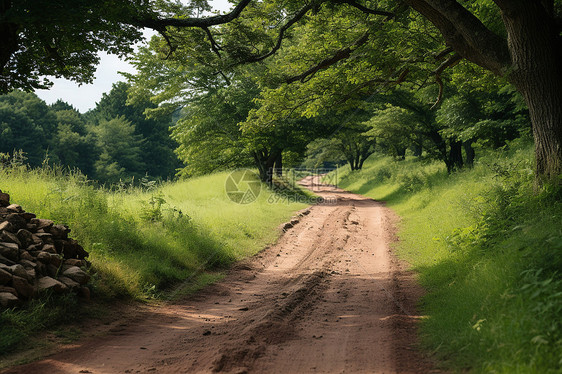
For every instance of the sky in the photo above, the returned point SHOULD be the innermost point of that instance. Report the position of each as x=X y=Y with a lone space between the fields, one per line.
x=86 y=96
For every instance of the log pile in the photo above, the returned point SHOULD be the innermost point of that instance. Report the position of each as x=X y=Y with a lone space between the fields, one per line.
x=37 y=256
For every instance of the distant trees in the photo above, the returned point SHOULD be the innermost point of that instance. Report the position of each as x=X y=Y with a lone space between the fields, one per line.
x=120 y=150
x=157 y=157
x=112 y=142
x=27 y=123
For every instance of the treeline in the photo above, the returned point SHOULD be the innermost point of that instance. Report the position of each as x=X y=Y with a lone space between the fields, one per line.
x=402 y=122
x=112 y=142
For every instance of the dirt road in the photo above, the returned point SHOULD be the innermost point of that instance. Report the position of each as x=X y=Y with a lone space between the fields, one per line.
x=329 y=297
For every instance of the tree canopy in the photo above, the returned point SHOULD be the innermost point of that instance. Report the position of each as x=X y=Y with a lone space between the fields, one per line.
x=320 y=55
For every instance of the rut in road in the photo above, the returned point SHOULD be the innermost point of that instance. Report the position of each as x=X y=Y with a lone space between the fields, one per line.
x=329 y=297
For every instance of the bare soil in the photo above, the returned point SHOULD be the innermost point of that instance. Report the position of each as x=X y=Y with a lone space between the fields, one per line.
x=329 y=297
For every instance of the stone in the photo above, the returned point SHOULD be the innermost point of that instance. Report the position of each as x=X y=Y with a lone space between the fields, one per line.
x=65 y=267
x=15 y=208
x=27 y=264
x=49 y=248
x=25 y=237
x=56 y=260
x=17 y=221
x=31 y=227
x=8 y=237
x=74 y=262
x=9 y=289
x=41 y=269
x=5 y=277
x=18 y=270
x=8 y=300
x=42 y=223
x=36 y=239
x=70 y=283
x=48 y=283
x=44 y=257
x=6 y=226
x=10 y=251
x=45 y=237
x=27 y=216
x=59 y=231
x=31 y=274
x=52 y=270
x=25 y=255
x=84 y=292
x=22 y=286
x=4 y=199
x=35 y=247
x=77 y=274
x=5 y=261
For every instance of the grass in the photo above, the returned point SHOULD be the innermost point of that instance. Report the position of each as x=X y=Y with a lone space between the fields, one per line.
x=156 y=242
x=487 y=245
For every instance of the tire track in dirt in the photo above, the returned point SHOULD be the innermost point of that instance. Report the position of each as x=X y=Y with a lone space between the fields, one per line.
x=329 y=297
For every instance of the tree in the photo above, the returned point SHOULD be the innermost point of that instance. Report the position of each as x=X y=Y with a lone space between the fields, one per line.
x=157 y=148
x=323 y=153
x=72 y=146
x=120 y=151
x=27 y=124
x=61 y=38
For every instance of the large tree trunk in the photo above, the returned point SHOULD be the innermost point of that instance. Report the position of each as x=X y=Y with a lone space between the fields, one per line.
x=536 y=51
x=265 y=161
x=279 y=165
x=400 y=152
x=454 y=161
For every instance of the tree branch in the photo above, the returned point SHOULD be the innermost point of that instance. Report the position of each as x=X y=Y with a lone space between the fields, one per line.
x=364 y=9
x=443 y=53
x=340 y=54
x=168 y=41
x=214 y=45
x=451 y=61
x=301 y=13
x=465 y=33
x=156 y=23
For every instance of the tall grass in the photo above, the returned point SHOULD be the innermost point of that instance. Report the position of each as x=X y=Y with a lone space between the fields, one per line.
x=144 y=242
x=488 y=247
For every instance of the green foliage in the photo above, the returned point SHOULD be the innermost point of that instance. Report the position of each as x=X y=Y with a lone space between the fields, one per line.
x=113 y=142
x=26 y=123
x=120 y=150
x=62 y=38
x=157 y=148
x=323 y=153
x=487 y=246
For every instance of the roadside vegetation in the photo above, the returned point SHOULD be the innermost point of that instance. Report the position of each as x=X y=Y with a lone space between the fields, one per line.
x=156 y=241
x=486 y=243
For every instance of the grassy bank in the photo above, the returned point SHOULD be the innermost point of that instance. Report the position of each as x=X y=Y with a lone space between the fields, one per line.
x=156 y=241
x=488 y=247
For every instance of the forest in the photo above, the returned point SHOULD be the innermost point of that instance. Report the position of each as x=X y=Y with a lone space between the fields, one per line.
x=450 y=111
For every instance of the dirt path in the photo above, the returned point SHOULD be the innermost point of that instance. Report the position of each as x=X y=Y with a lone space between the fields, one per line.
x=327 y=298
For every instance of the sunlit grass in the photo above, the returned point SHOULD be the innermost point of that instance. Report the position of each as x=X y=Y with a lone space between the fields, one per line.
x=142 y=250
